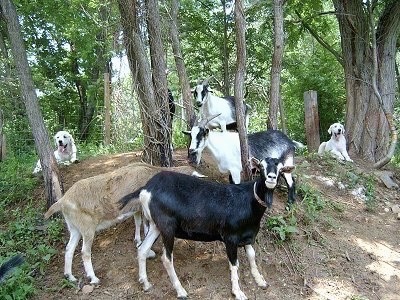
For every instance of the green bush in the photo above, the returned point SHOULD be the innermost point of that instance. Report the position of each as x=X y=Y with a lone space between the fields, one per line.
x=22 y=227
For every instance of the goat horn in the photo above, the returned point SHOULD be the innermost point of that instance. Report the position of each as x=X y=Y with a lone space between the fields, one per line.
x=203 y=122
x=205 y=82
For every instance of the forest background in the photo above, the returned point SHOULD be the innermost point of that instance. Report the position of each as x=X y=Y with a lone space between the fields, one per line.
x=71 y=44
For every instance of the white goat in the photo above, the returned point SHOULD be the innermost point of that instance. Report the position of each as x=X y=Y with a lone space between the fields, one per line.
x=212 y=105
x=91 y=204
x=225 y=149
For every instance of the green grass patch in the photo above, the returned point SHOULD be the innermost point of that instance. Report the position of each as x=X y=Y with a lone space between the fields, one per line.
x=22 y=228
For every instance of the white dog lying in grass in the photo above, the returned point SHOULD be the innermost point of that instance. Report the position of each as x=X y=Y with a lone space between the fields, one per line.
x=66 y=150
x=337 y=144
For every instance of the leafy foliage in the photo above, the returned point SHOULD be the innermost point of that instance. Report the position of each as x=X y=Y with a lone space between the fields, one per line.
x=283 y=227
x=23 y=230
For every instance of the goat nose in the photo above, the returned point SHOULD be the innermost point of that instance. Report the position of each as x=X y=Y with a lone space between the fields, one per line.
x=192 y=151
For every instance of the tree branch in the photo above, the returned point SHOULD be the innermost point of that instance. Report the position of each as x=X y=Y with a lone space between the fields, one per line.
x=320 y=40
x=389 y=116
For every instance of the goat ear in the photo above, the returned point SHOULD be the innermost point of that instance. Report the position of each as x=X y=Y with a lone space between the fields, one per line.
x=287 y=169
x=186 y=132
x=254 y=162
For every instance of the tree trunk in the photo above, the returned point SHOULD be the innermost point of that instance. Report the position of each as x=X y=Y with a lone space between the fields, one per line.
x=276 y=66
x=366 y=124
x=157 y=57
x=52 y=180
x=240 y=25
x=180 y=65
x=2 y=138
x=155 y=130
x=225 y=52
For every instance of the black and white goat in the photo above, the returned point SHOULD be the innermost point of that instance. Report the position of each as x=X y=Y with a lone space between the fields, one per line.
x=179 y=206
x=225 y=149
x=210 y=105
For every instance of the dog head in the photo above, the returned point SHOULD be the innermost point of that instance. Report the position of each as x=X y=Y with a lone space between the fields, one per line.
x=336 y=130
x=63 y=141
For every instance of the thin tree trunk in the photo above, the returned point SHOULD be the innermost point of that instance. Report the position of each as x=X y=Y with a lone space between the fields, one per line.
x=180 y=65
x=240 y=25
x=157 y=58
x=52 y=180
x=276 y=67
x=225 y=53
x=154 y=116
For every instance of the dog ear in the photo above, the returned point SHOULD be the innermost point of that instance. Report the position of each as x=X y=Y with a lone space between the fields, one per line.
x=71 y=138
x=330 y=129
x=343 y=129
x=55 y=139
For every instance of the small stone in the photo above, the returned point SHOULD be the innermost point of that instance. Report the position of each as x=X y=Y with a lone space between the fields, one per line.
x=87 y=289
x=398 y=216
x=386 y=209
x=396 y=208
x=386 y=178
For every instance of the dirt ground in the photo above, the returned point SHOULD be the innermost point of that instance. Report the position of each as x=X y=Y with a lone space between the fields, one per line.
x=346 y=252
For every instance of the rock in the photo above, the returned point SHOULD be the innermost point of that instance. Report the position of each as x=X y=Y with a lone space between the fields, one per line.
x=396 y=208
x=386 y=178
x=87 y=289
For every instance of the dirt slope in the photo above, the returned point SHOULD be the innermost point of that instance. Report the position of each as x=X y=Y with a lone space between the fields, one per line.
x=341 y=250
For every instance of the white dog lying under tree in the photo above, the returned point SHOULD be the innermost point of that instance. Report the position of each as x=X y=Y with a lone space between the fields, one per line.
x=337 y=144
x=66 y=150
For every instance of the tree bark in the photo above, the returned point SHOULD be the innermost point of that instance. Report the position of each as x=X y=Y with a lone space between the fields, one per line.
x=157 y=58
x=225 y=52
x=154 y=110
x=52 y=180
x=180 y=65
x=276 y=66
x=240 y=25
x=366 y=124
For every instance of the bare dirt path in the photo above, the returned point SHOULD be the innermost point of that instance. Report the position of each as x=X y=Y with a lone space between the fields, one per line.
x=346 y=252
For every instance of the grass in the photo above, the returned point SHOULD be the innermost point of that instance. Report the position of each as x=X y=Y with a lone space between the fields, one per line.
x=22 y=229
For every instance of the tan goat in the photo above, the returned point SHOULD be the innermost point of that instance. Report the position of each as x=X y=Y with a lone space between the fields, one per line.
x=91 y=204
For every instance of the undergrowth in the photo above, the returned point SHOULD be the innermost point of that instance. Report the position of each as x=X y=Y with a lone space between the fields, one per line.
x=22 y=230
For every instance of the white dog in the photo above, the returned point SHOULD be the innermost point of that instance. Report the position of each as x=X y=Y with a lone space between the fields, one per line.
x=66 y=150
x=337 y=144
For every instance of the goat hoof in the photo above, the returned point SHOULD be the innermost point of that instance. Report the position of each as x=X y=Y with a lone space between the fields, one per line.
x=95 y=281
x=239 y=295
x=151 y=254
x=70 y=277
x=147 y=286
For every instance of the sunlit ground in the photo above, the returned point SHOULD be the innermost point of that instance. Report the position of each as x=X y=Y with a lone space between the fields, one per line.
x=386 y=265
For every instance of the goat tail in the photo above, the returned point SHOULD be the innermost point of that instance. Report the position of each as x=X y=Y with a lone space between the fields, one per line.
x=10 y=265
x=128 y=198
x=56 y=207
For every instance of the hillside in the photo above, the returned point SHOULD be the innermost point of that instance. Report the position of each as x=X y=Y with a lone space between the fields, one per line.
x=347 y=244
